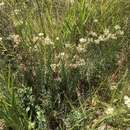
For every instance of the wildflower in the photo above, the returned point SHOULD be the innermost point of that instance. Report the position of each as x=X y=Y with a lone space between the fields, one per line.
x=2 y=4
x=97 y=41
x=15 y=37
x=101 y=38
x=127 y=101
x=90 y=40
x=41 y=34
x=1 y=39
x=110 y=36
x=113 y=87
x=82 y=40
x=95 y=21
x=113 y=36
x=48 y=41
x=81 y=48
x=54 y=67
x=57 y=38
x=27 y=109
x=61 y=55
x=31 y=125
x=120 y=32
x=109 y=110
x=93 y=34
x=117 y=27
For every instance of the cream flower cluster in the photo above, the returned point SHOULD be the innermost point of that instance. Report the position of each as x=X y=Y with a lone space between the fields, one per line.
x=109 y=110
x=104 y=36
x=127 y=101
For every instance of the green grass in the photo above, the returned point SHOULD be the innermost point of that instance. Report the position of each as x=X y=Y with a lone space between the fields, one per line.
x=64 y=65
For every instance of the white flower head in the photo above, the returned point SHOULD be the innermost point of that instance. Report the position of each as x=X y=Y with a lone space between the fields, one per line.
x=109 y=110
x=127 y=101
x=82 y=40
x=120 y=32
x=113 y=36
x=97 y=41
x=54 y=66
x=57 y=38
x=93 y=34
x=117 y=27
x=40 y=34
x=31 y=125
x=2 y=4
x=1 y=39
x=101 y=38
x=61 y=55
x=113 y=87
x=81 y=48
x=95 y=20
x=48 y=41
x=15 y=38
x=90 y=40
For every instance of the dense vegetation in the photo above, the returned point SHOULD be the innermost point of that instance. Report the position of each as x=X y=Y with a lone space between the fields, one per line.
x=64 y=64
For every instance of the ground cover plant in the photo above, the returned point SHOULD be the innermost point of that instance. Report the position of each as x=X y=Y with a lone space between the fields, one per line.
x=64 y=64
